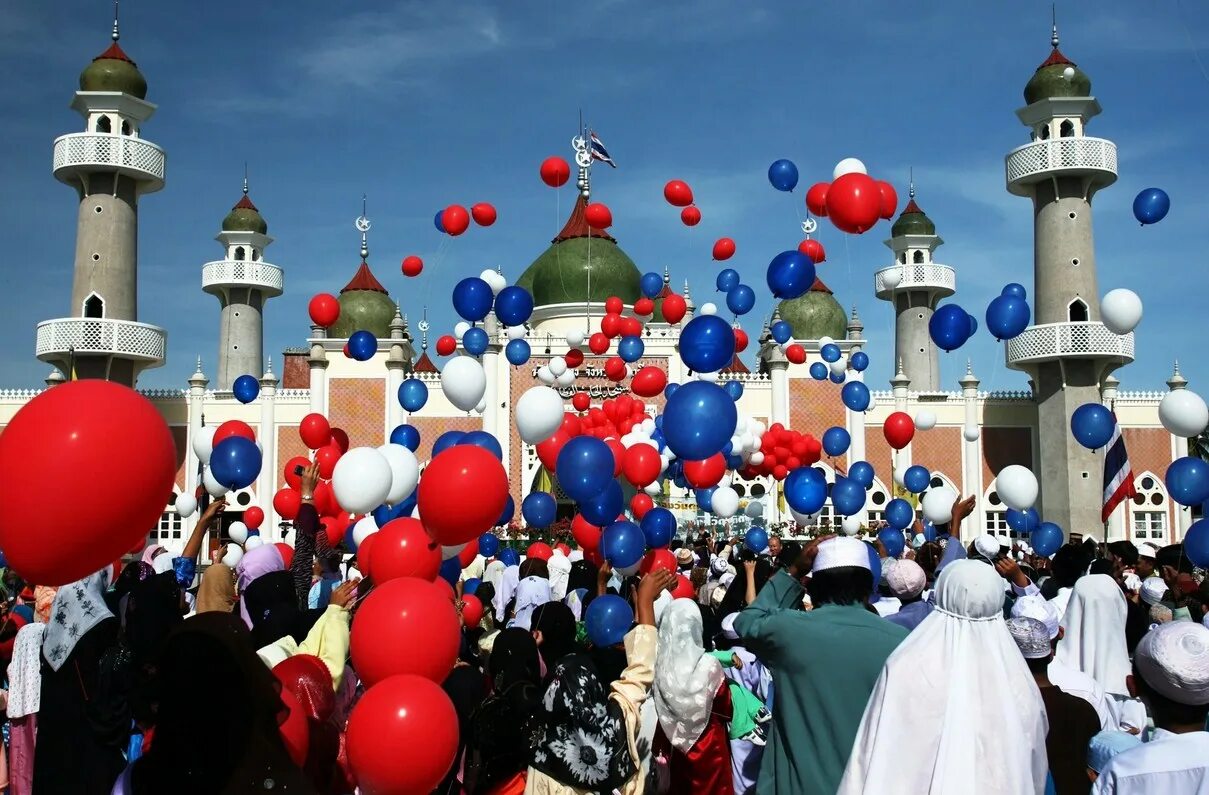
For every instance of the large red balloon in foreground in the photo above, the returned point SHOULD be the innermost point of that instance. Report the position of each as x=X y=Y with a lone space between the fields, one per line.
x=461 y=494
x=94 y=440
x=854 y=203
x=405 y=626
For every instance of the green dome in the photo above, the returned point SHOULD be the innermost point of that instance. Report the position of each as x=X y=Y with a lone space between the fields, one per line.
x=112 y=70
x=1050 y=81
x=364 y=306
x=815 y=314
x=913 y=221
x=244 y=217
x=560 y=275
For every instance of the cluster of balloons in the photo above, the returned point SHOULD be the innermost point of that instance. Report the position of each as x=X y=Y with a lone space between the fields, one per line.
x=678 y=194
x=455 y=219
x=1008 y=314
x=781 y=451
x=951 y=326
x=853 y=201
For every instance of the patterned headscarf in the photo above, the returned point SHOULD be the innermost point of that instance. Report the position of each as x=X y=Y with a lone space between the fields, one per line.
x=77 y=608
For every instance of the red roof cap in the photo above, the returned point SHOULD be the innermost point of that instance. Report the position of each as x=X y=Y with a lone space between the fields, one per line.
x=115 y=53
x=424 y=364
x=364 y=279
x=736 y=366
x=245 y=204
x=1056 y=58
x=819 y=287
x=577 y=225
x=912 y=207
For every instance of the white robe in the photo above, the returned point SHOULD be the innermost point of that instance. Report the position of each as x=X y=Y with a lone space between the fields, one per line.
x=1170 y=764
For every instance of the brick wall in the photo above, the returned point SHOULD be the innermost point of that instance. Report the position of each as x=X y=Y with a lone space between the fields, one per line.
x=296 y=373
x=358 y=405
x=1002 y=447
x=815 y=406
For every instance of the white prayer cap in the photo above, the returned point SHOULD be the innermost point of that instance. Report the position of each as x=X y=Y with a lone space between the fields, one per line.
x=918 y=541
x=841 y=551
x=1148 y=549
x=728 y=626
x=1030 y=636
x=685 y=556
x=1132 y=582
x=661 y=602
x=1153 y=590
x=1037 y=607
x=1174 y=660
x=718 y=565
x=987 y=546
x=905 y=578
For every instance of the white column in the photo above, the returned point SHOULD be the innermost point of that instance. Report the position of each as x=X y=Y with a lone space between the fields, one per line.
x=196 y=405
x=266 y=482
x=900 y=385
x=1183 y=513
x=318 y=365
x=779 y=372
x=491 y=367
x=971 y=458
x=394 y=409
x=856 y=426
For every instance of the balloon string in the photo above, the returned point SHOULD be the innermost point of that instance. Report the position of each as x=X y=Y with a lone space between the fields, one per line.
x=1191 y=43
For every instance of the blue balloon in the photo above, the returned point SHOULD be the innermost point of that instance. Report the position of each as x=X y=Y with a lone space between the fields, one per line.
x=652 y=284
x=1007 y=316
x=658 y=526
x=1092 y=425
x=438 y=222
x=847 y=496
x=782 y=332
x=741 y=299
x=1046 y=539
x=472 y=298
x=475 y=341
x=1187 y=480
x=446 y=440
x=1023 y=521
x=1151 y=206
x=509 y=557
x=727 y=280
x=830 y=352
x=245 y=388
x=484 y=440
x=893 y=541
x=734 y=389
x=756 y=539
x=451 y=570
x=899 y=514
x=630 y=348
x=622 y=544
x=585 y=466
x=1014 y=290
x=668 y=391
x=783 y=175
x=489 y=544
x=517 y=352
x=539 y=509
x=929 y=531
x=973 y=321
x=384 y=514
x=506 y=514
x=916 y=479
x=836 y=441
x=949 y=327
x=837 y=378
x=362 y=346
x=862 y=473
x=859 y=361
x=698 y=420
x=513 y=305
x=607 y=620
x=350 y=543
x=819 y=371
x=875 y=565
x=806 y=490
x=605 y=507
x=1196 y=543
x=406 y=435
x=471 y=585
x=707 y=344
x=790 y=274
x=235 y=462
x=413 y=394
x=705 y=498
x=855 y=395
x=734 y=461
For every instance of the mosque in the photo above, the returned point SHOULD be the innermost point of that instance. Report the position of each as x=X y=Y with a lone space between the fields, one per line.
x=1068 y=354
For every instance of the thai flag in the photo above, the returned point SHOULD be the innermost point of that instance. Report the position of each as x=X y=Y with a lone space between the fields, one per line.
x=599 y=152
x=1118 y=475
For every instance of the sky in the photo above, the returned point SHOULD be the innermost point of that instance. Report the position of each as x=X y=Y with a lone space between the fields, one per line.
x=420 y=105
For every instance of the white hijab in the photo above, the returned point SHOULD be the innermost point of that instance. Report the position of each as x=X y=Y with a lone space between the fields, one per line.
x=686 y=678
x=77 y=608
x=955 y=710
x=1093 y=639
x=504 y=590
x=559 y=566
x=531 y=592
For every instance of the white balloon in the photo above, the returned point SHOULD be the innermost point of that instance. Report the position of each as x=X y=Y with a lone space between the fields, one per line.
x=1182 y=412
x=213 y=487
x=648 y=426
x=404 y=472
x=539 y=413
x=516 y=332
x=898 y=476
x=238 y=532
x=629 y=571
x=925 y=420
x=839 y=366
x=1121 y=310
x=938 y=504
x=971 y=433
x=1017 y=487
x=849 y=165
x=545 y=376
x=452 y=552
x=851 y=525
x=253 y=542
x=463 y=382
x=233 y=556
x=825 y=340
x=654 y=489
x=754 y=509
x=361 y=480
x=575 y=338
x=806 y=519
x=566 y=379
x=724 y=503
x=203 y=442
x=460 y=329
x=892 y=278
x=711 y=377
x=558 y=365
x=1068 y=73
x=186 y=504
x=481 y=406
x=364 y=528
x=709 y=308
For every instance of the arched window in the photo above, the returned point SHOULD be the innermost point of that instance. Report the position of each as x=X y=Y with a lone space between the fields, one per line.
x=94 y=306
x=1148 y=513
x=170 y=525
x=239 y=253
x=103 y=124
x=1067 y=130
x=126 y=128
x=1045 y=132
x=902 y=257
x=996 y=515
x=256 y=255
x=1077 y=311
x=876 y=501
x=917 y=257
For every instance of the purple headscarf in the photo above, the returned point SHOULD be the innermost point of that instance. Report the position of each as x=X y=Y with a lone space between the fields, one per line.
x=254 y=564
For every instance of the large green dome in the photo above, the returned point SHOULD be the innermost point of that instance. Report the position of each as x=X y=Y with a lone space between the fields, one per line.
x=913 y=221
x=113 y=70
x=815 y=314
x=1050 y=80
x=244 y=217
x=364 y=306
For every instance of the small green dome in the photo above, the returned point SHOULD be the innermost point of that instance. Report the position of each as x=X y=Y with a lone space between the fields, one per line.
x=913 y=221
x=560 y=275
x=113 y=70
x=815 y=314
x=244 y=217
x=364 y=306
x=1050 y=80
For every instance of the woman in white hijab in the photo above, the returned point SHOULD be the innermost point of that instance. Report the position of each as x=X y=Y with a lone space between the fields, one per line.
x=1093 y=633
x=955 y=710
x=505 y=589
x=531 y=592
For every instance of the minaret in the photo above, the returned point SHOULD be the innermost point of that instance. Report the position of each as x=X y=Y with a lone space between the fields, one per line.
x=242 y=281
x=1068 y=353
x=915 y=285
x=110 y=166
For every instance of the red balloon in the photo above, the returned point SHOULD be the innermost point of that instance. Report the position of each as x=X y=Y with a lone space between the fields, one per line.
x=598 y=216
x=581 y=401
x=539 y=550
x=325 y=500
x=233 y=428
x=548 y=450
x=816 y=199
x=678 y=193
x=644 y=306
x=615 y=368
x=898 y=429
x=740 y=340
x=314 y=431
x=780 y=472
x=307 y=678
x=455 y=220
x=405 y=626
x=563 y=548
x=610 y=324
x=347 y=351
x=656 y=559
x=571 y=425
x=253 y=517
x=295 y=730
x=287 y=553
x=555 y=172
x=674 y=308
x=483 y=214
x=889 y=198
x=455 y=472
x=618 y=450
x=340 y=439
x=813 y=249
x=326 y=457
x=286 y=503
x=640 y=503
x=648 y=381
x=292 y=478
x=724 y=249
x=82 y=437
x=631 y=327
x=472 y=610
x=705 y=473
x=403 y=549
x=586 y=535
x=614 y=305
x=574 y=357
x=402 y=737
x=324 y=309
x=795 y=353
x=598 y=343
x=412 y=265
x=363 y=553
x=446 y=344
x=468 y=554
x=334 y=526
x=641 y=465
x=854 y=203
x=690 y=216
x=684 y=588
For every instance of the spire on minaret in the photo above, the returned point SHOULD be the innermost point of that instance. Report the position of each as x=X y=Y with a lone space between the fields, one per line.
x=115 y=35
x=363 y=225
x=245 y=178
x=1053 y=38
x=900 y=378
x=269 y=378
x=911 y=182
x=855 y=326
x=1176 y=381
x=969 y=379
x=424 y=330
x=198 y=378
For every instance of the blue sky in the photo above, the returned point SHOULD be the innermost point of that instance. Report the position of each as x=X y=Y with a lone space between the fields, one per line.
x=423 y=104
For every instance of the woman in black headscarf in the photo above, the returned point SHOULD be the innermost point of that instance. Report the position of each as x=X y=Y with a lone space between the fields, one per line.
x=583 y=575
x=273 y=607
x=553 y=628
x=501 y=728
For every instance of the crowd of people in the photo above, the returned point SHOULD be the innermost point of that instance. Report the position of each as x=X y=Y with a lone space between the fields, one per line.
x=808 y=668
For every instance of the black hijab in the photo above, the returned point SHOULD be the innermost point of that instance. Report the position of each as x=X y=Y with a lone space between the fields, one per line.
x=583 y=575
x=273 y=607
x=501 y=728
x=556 y=622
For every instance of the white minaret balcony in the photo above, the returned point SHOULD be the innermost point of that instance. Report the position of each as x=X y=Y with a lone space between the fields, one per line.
x=221 y=275
x=1092 y=158
x=900 y=277
x=1071 y=340
x=57 y=340
x=79 y=154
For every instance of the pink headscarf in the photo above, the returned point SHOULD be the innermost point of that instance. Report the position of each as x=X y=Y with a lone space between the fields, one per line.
x=254 y=564
x=150 y=552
